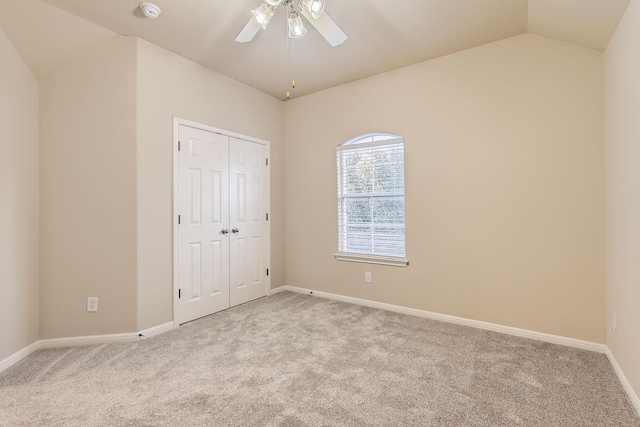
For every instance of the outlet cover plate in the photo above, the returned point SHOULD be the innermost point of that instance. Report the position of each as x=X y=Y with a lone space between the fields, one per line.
x=92 y=304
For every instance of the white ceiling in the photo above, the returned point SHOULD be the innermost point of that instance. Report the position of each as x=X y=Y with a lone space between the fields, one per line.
x=383 y=35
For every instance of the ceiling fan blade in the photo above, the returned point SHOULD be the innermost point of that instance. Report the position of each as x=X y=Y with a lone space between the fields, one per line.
x=249 y=31
x=327 y=27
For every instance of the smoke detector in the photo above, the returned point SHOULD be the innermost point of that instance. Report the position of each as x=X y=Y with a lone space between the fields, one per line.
x=150 y=10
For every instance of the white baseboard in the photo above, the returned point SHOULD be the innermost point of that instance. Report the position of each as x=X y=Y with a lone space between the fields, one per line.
x=79 y=341
x=633 y=396
x=89 y=340
x=18 y=356
x=524 y=333
x=156 y=330
x=277 y=290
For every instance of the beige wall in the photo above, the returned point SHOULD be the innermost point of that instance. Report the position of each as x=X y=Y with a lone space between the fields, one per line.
x=504 y=185
x=622 y=143
x=107 y=218
x=170 y=86
x=88 y=194
x=18 y=202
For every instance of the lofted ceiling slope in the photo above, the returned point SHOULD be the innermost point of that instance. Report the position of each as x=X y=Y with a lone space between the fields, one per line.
x=382 y=35
x=47 y=37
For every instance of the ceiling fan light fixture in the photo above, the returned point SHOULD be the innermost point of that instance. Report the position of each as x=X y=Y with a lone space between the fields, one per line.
x=274 y=3
x=263 y=14
x=296 y=28
x=314 y=7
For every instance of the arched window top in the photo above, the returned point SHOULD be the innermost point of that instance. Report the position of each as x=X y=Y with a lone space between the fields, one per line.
x=371 y=137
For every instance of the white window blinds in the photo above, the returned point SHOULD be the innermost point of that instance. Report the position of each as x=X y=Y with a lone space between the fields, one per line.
x=371 y=197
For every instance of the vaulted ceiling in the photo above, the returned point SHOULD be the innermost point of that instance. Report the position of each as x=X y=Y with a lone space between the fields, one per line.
x=382 y=35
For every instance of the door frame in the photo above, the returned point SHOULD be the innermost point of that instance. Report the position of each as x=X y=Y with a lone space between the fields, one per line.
x=177 y=122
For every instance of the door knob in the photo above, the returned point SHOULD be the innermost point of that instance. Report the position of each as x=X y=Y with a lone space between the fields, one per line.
x=235 y=230
x=225 y=231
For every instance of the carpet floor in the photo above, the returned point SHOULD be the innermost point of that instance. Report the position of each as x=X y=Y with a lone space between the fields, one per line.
x=297 y=360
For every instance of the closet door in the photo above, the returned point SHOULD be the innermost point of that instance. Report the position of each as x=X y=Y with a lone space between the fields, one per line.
x=203 y=237
x=248 y=201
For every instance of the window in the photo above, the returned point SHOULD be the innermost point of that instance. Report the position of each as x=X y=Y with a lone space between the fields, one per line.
x=371 y=200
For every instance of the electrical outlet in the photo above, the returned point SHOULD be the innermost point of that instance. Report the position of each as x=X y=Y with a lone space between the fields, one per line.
x=613 y=322
x=367 y=277
x=92 y=304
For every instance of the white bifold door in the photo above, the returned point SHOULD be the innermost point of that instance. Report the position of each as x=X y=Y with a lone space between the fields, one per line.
x=223 y=231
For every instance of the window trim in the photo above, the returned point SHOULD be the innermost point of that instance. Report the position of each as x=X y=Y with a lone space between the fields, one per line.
x=372 y=259
x=353 y=144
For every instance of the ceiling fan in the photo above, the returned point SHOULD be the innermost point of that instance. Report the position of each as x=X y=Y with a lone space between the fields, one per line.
x=312 y=10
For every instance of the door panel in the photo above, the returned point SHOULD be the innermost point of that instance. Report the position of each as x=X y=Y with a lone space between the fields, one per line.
x=258 y=264
x=241 y=198
x=203 y=250
x=248 y=246
x=195 y=195
x=216 y=197
x=195 y=270
x=239 y=263
x=217 y=261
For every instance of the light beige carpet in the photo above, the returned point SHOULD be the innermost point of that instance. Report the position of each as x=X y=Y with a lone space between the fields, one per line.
x=296 y=360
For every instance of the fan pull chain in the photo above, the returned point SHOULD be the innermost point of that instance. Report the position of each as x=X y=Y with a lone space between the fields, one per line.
x=293 y=66
x=291 y=62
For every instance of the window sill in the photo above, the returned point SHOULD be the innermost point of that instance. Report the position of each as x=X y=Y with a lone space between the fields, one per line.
x=395 y=262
